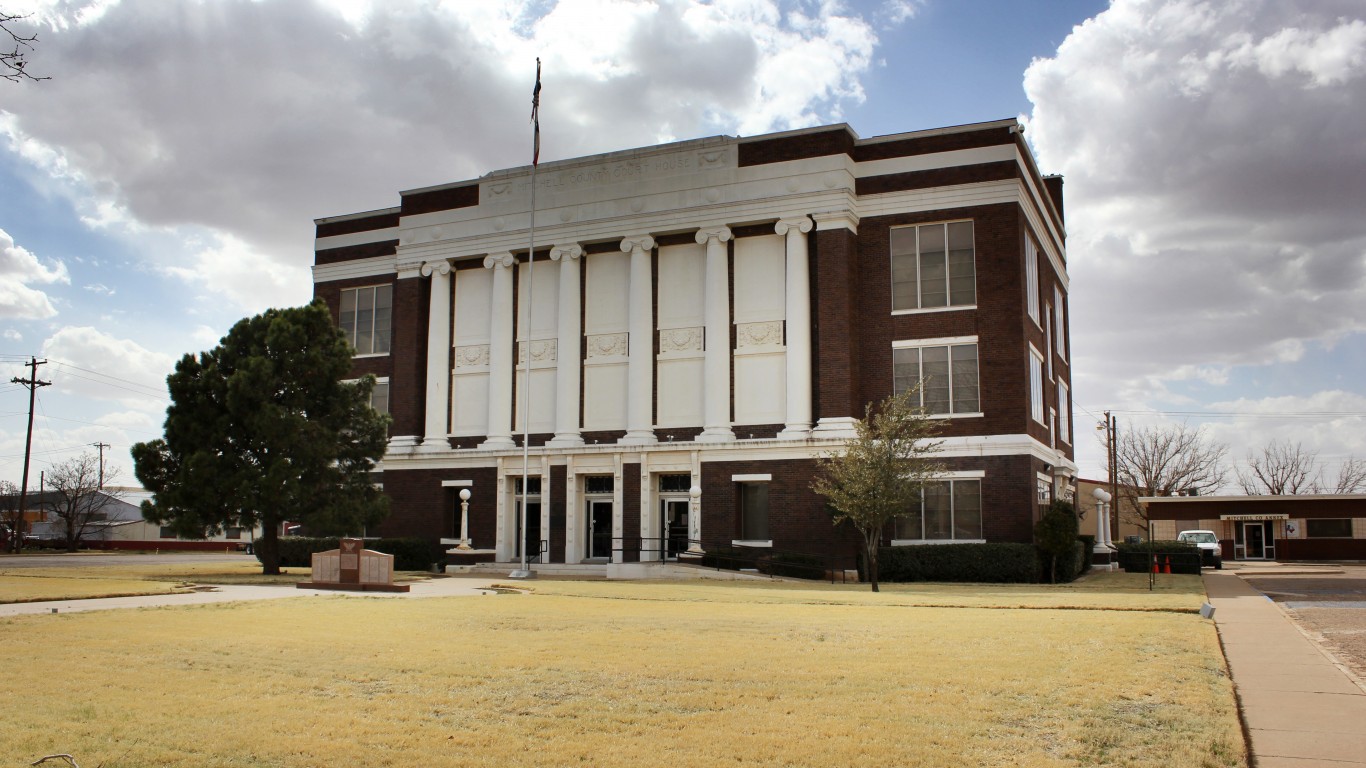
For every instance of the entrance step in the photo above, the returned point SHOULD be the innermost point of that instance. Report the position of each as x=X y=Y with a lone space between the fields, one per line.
x=613 y=571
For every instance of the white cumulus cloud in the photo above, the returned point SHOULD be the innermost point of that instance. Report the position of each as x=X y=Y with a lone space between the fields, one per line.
x=20 y=270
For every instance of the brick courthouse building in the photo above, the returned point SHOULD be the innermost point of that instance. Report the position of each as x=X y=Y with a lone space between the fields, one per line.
x=713 y=315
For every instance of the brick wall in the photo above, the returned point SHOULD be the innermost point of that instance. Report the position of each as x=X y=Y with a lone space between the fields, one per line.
x=421 y=506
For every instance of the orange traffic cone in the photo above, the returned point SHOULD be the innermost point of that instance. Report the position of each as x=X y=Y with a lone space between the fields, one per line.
x=1167 y=566
x=1155 y=568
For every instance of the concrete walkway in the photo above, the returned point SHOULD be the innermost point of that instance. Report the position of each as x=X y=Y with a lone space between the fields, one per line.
x=448 y=587
x=1301 y=708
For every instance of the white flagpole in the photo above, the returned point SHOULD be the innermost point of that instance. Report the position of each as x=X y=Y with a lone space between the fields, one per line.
x=525 y=346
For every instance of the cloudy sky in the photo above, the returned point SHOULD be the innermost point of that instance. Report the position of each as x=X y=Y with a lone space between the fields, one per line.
x=162 y=184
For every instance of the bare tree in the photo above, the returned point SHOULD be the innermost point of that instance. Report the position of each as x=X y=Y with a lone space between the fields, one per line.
x=1351 y=476
x=15 y=60
x=1173 y=460
x=76 y=498
x=1282 y=469
x=10 y=520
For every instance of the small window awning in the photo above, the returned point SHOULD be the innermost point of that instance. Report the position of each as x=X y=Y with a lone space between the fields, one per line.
x=1253 y=518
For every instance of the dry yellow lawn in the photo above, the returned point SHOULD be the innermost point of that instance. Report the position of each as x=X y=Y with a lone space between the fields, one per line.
x=685 y=675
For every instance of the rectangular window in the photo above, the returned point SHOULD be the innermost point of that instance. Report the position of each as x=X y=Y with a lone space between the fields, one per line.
x=1059 y=326
x=933 y=265
x=1048 y=340
x=379 y=396
x=949 y=373
x=232 y=533
x=949 y=510
x=598 y=484
x=1064 y=414
x=166 y=532
x=1032 y=278
x=754 y=511
x=675 y=483
x=1036 y=408
x=365 y=318
x=1328 y=529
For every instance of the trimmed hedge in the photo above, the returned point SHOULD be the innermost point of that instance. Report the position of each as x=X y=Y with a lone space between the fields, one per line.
x=989 y=563
x=410 y=554
x=1069 y=568
x=1088 y=545
x=1137 y=558
x=794 y=565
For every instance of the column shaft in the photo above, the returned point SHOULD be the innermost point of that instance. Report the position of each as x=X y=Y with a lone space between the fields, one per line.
x=437 y=426
x=567 y=348
x=499 y=432
x=716 y=360
x=798 y=311
x=640 y=351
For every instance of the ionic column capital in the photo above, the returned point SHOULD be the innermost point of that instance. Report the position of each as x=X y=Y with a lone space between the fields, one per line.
x=632 y=242
x=800 y=223
x=441 y=267
x=495 y=260
x=719 y=232
x=566 y=252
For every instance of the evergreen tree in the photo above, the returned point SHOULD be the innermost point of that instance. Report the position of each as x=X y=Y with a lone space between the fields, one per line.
x=262 y=430
x=1056 y=535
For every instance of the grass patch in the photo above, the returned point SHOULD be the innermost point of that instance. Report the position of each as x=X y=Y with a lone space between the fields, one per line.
x=18 y=585
x=697 y=674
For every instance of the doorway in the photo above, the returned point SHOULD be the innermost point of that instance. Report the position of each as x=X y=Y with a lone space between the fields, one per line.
x=674 y=525
x=600 y=529
x=1257 y=543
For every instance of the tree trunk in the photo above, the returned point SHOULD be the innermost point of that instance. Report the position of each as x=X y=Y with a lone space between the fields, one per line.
x=268 y=549
x=870 y=550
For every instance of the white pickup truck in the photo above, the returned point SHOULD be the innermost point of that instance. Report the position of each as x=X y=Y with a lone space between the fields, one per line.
x=1211 y=553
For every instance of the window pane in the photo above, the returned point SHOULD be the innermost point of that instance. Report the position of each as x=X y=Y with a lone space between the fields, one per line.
x=934 y=290
x=675 y=483
x=938 y=512
x=365 y=320
x=1036 y=388
x=967 y=509
x=905 y=369
x=754 y=511
x=379 y=397
x=962 y=277
x=903 y=268
x=1328 y=529
x=1059 y=326
x=597 y=484
x=935 y=367
x=348 y=315
x=965 y=397
x=383 y=312
x=908 y=527
x=1032 y=278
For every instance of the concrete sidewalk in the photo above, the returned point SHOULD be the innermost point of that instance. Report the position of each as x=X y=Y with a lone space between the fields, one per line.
x=447 y=587
x=1300 y=707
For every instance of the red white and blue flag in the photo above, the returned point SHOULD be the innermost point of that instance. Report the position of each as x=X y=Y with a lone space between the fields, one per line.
x=535 y=115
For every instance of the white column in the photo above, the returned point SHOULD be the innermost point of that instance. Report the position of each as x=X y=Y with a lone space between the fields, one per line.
x=568 y=343
x=437 y=426
x=500 y=353
x=716 y=362
x=798 y=311
x=640 y=350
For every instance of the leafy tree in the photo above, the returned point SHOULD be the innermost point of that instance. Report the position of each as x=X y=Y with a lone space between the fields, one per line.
x=883 y=471
x=262 y=429
x=76 y=498
x=1056 y=535
x=11 y=524
x=1169 y=460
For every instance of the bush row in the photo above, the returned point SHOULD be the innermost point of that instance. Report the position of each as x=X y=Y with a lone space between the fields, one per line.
x=409 y=554
x=790 y=564
x=991 y=563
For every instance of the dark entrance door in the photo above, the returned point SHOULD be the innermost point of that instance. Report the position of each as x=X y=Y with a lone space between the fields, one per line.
x=599 y=528
x=675 y=527
x=1254 y=538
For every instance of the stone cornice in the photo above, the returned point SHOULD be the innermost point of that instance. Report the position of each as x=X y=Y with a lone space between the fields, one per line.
x=836 y=220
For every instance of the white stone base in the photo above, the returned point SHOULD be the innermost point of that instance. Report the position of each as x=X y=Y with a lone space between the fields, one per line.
x=567 y=440
x=838 y=426
x=716 y=435
x=639 y=437
x=497 y=444
x=797 y=432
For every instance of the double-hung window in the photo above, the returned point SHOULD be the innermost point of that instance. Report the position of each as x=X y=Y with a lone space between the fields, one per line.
x=1064 y=414
x=365 y=317
x=1036 y=407
x=1031 y=255
x=946 y=370
x=1059 y=323
x=754 y=511
x=933 y=266
x=949 y=510
x=379 y=396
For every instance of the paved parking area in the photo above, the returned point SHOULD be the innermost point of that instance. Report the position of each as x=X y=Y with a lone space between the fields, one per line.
x=1330 y=608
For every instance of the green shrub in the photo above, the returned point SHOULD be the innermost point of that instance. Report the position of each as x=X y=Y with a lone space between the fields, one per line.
x=795 y=565
x=728 y=557
x=1069 y=565
x=1088 y=545
x=410 y=554
x=987 y=563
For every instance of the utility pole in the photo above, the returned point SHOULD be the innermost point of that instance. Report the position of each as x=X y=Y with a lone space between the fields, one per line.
x=1111 y=459
x=32 y=383
x=101 y=446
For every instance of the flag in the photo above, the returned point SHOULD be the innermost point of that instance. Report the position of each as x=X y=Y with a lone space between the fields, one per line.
x=535 y=115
